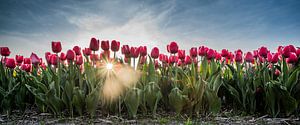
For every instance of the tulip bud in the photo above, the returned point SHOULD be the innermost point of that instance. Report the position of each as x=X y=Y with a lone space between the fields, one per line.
x=63 y=56
x=105 y=45
x=143 y=59
x=255 y=53
x=155 y=53
x=187 y=60
x=179 y=63
x=70 y=55
x=181 y=54
x=56 y=47
x=218 y=56
x=10 y=63
x=173 y=47
x=210 y=54
x=143 y=50
x=26 y=67
x=27 y=61
x=115 y=46
x=134 y=52
x=19 y=59
x=172 y=59
x=86 y=51
x=292 y=58
x=286 y=51
x=238 y=57
x=53 y=59
x=4 y=51
x=277 y=72
x=202 y=51
x=249 y=57
x=224 y=53
x=125 y=50
x=94 y=44
x=79 y=60
x=279 y=49
x=77 y=50
x=34 y=59
x=193 y=52
x=263 y=52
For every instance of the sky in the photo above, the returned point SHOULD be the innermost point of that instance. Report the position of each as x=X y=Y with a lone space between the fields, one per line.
x=30 y=25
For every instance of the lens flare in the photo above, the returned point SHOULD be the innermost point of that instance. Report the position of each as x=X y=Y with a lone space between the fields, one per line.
x=109 y=66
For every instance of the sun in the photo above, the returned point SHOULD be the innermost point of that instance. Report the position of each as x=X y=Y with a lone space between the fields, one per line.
x=109 y=66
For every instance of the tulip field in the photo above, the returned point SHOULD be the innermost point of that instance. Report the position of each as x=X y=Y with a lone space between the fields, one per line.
x=109 y=78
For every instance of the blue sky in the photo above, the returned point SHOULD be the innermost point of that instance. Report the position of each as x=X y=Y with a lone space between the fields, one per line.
x=30 y=25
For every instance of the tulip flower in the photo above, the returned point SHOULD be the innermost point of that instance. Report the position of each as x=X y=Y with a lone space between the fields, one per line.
x=115 y=45
x=105 y=54
x=255 y=53
x=249 y=57
x=134 y=52
x=168 y=48
x=224 y=53
x=86 y=51
x=27 y=61
x=173 y=47
x=181 y=54
x=143 y=50
x=263 y=52
x=238 y=57
x=34 y=59
x=4 y=51
x=94 y=44
x=10 y=63
x=210 y=54
x=202 y=51
x=143 y=59
x=193 y=52
x=187 y=60
x=53 y=59
x=126 y=60
x=292 y=48
x=94 y=57
x=79 y=60
x=173 y=59
x=279 y=49
x=70 y=55
x=273 y=58
x=155 y=53
x=179 y=62
x=63 y=56
x=26 y=67
x=19 y=59
x=292 y=58
x=277 y=72
x=105 y=45
x=77 y=50
x=286 y=51
x=56 y=47
x=218 y=56
x=298 y=52
x=125 y=50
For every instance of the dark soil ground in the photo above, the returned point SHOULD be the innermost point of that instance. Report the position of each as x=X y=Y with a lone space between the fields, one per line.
x=227 y=117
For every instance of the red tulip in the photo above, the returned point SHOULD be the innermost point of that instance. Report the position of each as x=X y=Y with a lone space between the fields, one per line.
x=86 y=51
x=238 y=57
x=27 y=61
x=168 y=48
x=255 y=53
x=292 y=48
x=105 y=54
x=115 y=45
x=77 y=50
x=143 y=50
x=125 y=50
x=63 y=56
x=202 y=51
x=126 y=60
x=173 y=47
x=4 y=51
x=261 y=59
x=56 y=47
x=249 y=57
x=155 y=53
x=163 y=58
x=173 y=59
x=210 y=54
x=187 y=60
x=277 y=72
x=279 y=49
x=70 y=55
x=263 y=52
x=286 y=51
x=134 y=52
x=181 y=54
x=298 y=52
x=19 y=59
x=47 y=56
x=10 y=63
x=105 y=45
x=179 y=63
x=238 y=51
x=224 y=53
x=26 y=67
x=79 y=60
x=143 y=59
x=193 y=52
x=53 y=59
x=292 y=58
x=94 y=44
x=34 y=59
x=218 y=56
x=273 y=58
x=94 y=57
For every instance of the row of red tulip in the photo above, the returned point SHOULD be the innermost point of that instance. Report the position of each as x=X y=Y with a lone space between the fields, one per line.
x=177 y=55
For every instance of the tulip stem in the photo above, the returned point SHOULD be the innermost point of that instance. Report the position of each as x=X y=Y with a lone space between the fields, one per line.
x=114 y=55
